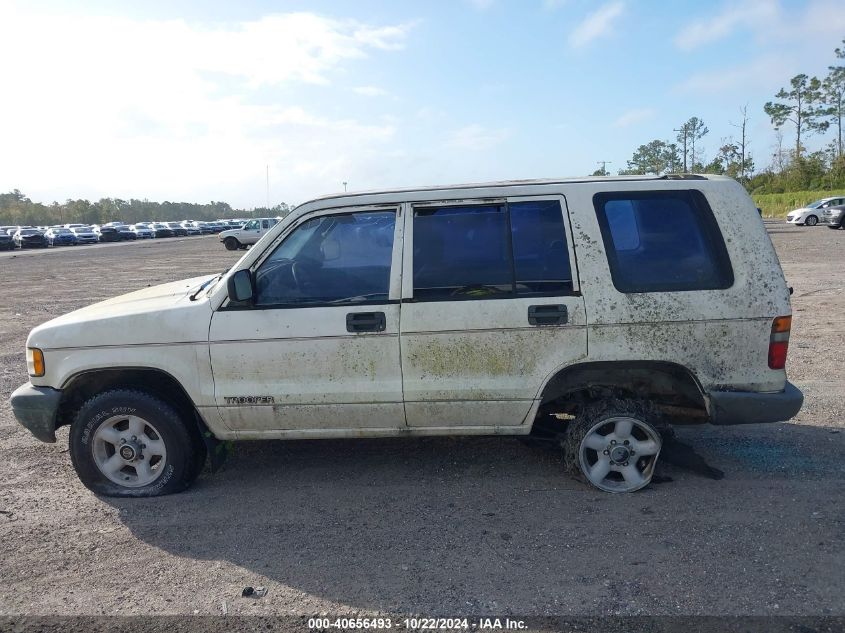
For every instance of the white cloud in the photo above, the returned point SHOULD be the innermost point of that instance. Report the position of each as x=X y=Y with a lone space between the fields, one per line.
x=787 y=42
x=370 y=91
x=171 y=109
x=749 y=13
x=476 y=137
x=632 y=117
x=596 y=24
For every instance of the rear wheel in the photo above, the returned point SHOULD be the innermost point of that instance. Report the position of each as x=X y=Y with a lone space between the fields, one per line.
x=811 y=220
x=231 y=244
x=613 y=444
x=127 y=443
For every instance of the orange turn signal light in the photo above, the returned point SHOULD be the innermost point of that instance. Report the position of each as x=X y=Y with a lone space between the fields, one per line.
x=35 y=362
x=781 y=324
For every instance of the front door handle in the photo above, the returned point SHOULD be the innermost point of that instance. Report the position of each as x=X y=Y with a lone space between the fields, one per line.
x=365 y=322
x=548 y=315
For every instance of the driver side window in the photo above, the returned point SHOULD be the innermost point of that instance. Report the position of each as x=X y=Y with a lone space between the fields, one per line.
x=330 y=259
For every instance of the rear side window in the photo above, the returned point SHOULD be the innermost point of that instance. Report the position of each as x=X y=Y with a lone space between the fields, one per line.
x=491 y=251
x=662 y=241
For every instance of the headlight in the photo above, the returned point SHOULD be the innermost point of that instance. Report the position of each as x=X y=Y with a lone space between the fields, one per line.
x=34 y=362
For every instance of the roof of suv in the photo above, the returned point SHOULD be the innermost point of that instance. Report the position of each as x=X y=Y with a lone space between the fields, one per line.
x=511 y=183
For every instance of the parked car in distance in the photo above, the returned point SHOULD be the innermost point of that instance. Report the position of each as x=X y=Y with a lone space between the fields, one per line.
x=6 y=241
x=84 y=234
x=142 y=231
x=126 y=233
x=248 y=234
x=178 y=229
x=107 y=233
x=812 y=213
x=60 y=236
x=834 y=217
x=162 y=230
x=205 y=228
x=29 y=238
x=190 y=228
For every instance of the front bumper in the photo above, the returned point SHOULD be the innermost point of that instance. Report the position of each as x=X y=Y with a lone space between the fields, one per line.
x=748 y=407
x=36 y=409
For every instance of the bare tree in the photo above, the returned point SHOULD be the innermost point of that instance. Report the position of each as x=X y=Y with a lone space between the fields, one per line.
x=743 y=144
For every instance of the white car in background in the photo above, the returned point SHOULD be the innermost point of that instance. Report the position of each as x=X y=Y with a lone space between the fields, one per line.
x=191 y=227
x=143 y=231
x=84 y=234
x=811 y=214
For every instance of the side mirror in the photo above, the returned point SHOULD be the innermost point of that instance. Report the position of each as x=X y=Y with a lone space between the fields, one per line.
x=240 y=286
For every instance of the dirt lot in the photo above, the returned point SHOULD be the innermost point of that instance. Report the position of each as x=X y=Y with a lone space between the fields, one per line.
x=430 y=526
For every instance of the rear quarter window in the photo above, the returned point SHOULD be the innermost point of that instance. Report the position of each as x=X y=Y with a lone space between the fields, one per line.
x=662 y=241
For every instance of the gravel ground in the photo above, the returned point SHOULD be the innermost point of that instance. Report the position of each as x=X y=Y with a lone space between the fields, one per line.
x=435 y=526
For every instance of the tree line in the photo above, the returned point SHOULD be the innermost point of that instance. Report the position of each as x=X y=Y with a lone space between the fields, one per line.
x=808 y=106
x=17 y=209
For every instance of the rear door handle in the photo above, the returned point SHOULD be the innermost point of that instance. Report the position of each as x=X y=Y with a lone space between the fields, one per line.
x=365 y=322
x=548 y=315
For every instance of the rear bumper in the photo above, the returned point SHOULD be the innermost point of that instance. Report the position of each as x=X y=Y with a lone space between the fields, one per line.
x=36 y=408
x=748 y=407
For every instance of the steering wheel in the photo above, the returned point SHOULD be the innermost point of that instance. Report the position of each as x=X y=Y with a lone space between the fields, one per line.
x=302 y=271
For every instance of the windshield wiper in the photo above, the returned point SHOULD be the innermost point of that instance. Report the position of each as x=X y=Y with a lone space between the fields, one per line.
x=204 y=284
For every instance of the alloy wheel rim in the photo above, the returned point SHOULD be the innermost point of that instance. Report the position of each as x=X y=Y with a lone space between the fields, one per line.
x=618 y=454
x=129 y=451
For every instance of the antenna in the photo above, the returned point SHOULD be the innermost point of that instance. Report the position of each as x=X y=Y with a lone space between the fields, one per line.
x=604 y=164
x=268 y=187
x=344 y=186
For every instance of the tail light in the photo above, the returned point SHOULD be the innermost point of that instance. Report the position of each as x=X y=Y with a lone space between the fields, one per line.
x=779 y=342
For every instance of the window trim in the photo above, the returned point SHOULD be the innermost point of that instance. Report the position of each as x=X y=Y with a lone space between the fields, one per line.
x=408 y=255
x=710 y=230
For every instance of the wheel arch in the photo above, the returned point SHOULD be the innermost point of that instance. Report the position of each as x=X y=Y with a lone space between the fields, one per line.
x=83 y=385
x=672 y=387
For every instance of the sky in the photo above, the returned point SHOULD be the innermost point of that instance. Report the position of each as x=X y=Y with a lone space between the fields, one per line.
x=210 y=100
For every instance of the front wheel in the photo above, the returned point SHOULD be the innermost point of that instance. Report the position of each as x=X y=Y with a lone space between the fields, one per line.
x=231 y=244
x=613 y=444
x=811 y=220
x=127 y=443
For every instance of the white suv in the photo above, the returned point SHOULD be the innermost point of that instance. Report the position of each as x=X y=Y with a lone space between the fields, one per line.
x=602 y=308
x=249 y=233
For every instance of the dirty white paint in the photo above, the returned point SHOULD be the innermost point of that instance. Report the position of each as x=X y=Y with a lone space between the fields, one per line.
x=464 y=367
x=316 y=372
